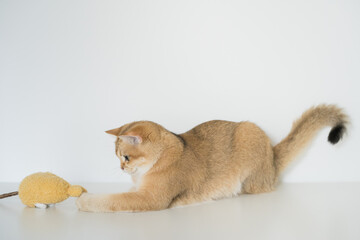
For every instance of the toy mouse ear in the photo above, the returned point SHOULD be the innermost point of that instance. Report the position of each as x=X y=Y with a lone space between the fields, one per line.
x=114 y=131
x=133 y=140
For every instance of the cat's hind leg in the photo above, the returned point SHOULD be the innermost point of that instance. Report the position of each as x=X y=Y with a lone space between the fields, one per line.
x=254 y=153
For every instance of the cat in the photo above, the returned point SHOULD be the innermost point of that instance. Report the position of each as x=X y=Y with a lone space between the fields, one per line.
x=214 y=160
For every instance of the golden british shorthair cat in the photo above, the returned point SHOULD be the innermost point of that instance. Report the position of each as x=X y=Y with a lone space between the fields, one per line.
x=216 y=159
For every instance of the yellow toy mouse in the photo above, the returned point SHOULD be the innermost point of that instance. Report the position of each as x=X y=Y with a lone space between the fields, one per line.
x=43 y=188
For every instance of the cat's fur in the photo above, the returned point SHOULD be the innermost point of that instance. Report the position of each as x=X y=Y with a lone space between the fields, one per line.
x=214 y=160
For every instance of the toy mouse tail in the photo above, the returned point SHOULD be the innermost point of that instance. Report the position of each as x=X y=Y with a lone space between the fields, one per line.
x=76 y=190
x=10 y=194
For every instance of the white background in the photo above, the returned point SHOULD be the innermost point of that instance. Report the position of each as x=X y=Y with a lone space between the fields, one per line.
x=69 y=70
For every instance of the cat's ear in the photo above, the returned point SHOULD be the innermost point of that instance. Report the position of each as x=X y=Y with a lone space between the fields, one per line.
x=133 y=140
x=114 y=131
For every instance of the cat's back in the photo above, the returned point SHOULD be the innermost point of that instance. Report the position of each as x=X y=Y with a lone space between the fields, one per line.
x=212 y=128
x=222 y=136
x=210 y=135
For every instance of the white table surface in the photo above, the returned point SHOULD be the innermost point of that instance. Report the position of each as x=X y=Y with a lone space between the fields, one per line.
x=294 y=211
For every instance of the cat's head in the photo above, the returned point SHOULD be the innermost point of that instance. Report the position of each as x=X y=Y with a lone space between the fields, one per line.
x=138 y=146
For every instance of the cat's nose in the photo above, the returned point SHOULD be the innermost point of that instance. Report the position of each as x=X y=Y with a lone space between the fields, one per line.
x=122 y=166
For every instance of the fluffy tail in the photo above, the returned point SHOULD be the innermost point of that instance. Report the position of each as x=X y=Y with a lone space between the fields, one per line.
x=305 y=128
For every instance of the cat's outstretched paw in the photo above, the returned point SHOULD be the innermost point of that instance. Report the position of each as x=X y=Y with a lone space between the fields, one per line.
x=83 y=202
x=89 y=202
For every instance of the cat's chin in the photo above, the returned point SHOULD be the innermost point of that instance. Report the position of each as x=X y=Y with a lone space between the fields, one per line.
x=132 y=172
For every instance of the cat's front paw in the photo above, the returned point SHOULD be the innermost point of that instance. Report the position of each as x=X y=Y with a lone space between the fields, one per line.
x=84 y=202
x=89 y=202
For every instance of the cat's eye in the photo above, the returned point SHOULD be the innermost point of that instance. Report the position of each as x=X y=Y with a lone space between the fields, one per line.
x=127 y=158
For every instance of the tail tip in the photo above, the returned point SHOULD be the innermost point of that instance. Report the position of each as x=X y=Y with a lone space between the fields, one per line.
x=336 y=133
